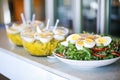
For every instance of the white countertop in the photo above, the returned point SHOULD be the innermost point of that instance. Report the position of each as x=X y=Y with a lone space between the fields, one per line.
x=110 y=72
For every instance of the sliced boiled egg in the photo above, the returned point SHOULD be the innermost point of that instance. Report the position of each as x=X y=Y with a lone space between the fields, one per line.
x=61 y=31
x=15 y=28
x=11 y=30
x=79 y=44
x=28 y=39
x=45 y=40
x=97 y=36
x=64 y=43
x=59 y=37
x=106 y=40
x=18 y=27
x=89 y=43
x=90 y=36
x=73 y=38
x=28 y=34
x=37 y=23
x=44 y=37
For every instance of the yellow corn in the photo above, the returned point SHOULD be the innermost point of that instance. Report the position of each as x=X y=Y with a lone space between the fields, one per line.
x=15 y=38
x=38 y=48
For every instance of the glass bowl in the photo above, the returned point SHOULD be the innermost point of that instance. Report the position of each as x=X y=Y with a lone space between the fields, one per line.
x=39 y=42
x=87 y=64
x=13 y=32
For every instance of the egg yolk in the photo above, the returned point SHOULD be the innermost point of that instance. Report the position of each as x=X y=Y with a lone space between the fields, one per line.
x=102 y=40
x=75 y=37
x=90 y=37
x=46 y=34
x=80 y=43
x=89 y=40
x=60 y=31
x=29 y=34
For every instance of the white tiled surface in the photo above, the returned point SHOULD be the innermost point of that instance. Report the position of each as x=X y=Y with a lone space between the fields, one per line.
x=111 y=72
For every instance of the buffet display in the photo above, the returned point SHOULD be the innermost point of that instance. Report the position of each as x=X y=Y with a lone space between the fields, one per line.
x=37 y=38
x=81 y=49
x=13 y=33
x=41 y=42
x=88 y=50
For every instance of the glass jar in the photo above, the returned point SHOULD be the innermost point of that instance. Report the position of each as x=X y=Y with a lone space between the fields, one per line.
x=13 y=32
x=37 y=44
x=39 y=41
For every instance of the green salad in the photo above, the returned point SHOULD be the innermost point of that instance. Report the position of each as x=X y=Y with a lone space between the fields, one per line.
x=88 y=47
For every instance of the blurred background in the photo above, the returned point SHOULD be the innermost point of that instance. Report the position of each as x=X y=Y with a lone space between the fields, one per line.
x=98 y=16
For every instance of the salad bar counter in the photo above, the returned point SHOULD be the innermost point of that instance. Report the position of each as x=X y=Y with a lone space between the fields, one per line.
x=17 y=64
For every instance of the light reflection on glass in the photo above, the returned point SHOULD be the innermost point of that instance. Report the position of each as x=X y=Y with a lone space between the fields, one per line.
x=114 y=18
x=90 y=8
x=64 y=13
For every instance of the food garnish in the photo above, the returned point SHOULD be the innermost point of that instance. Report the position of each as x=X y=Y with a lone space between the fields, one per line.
x=89 y=47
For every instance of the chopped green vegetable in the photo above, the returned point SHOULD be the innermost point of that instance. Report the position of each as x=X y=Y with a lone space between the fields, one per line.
x=104 y=52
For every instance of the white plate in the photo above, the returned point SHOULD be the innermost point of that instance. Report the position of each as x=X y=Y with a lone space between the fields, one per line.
x=87 y=64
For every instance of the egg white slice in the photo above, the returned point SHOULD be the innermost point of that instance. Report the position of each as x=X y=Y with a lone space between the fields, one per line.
x=27 y=39
x=106 y=40
x=13 y=31
x=97 y=36
x=42 y=39
x=59 y=37
x=18 y=27
x=89 y=43
x=45 y=40
x=64 y=43
x=73 y=38
x=61 y=31
x=79 y=44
